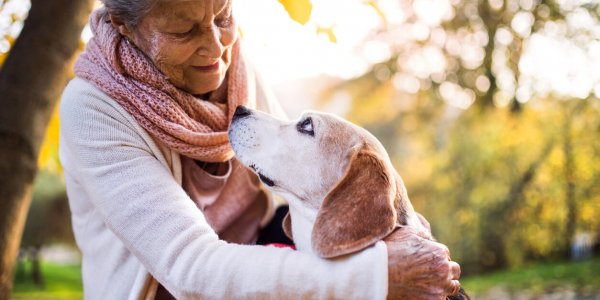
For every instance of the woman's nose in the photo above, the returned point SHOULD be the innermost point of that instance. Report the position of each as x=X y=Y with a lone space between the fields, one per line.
x=209 y=44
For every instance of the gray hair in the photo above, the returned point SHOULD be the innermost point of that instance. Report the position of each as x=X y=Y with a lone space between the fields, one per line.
x=129 y=12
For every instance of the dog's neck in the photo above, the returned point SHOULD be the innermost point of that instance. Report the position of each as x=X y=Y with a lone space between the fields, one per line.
x=303 y=218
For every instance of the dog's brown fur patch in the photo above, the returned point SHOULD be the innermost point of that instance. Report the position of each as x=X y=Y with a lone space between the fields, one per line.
x=359 y=210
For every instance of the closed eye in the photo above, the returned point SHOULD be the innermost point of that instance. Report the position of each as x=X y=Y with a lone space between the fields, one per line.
x=306 y=126
x=184 y=34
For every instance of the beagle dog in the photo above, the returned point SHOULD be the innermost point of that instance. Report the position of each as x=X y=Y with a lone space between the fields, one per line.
x=343 y=192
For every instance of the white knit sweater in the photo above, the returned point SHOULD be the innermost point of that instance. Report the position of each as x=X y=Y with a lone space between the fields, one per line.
x=133 y=222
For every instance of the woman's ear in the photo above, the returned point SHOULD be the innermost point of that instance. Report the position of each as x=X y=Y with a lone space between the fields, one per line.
x=359 y=210
x=121 y=26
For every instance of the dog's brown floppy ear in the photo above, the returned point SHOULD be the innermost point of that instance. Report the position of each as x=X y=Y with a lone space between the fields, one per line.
x=359 y=210
x=287 y=226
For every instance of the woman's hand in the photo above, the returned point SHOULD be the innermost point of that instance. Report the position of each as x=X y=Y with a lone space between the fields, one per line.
x=419 y=268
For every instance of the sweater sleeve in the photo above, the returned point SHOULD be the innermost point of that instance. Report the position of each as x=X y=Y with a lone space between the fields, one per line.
x=157 y=222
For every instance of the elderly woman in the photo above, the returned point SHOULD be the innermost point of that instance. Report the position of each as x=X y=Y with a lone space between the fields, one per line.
x=160 y=207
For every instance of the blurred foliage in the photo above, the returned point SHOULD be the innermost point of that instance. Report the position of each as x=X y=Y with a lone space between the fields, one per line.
x=505 y=172
x=498 y=190
x=48 y=220
x=504 y=164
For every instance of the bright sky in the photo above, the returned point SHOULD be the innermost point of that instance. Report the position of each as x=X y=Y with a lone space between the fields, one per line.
x=286 y=50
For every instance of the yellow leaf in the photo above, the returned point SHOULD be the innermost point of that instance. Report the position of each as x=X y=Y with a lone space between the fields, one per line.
x=299 y=10
x=328 y=31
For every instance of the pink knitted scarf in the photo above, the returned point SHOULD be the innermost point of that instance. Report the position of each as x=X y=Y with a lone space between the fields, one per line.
x=193 y=127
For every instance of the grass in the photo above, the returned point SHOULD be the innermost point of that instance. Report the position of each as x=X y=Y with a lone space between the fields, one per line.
x=64 y=282
x=539 y=278
x=60 y=282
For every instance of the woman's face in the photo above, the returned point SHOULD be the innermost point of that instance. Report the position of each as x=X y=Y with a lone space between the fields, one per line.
x=189 y=41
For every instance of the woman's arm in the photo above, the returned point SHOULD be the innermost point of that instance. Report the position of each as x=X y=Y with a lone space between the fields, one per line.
x=155 y=219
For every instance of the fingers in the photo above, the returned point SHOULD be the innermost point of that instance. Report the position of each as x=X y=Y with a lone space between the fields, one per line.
x=454 y=275
x=441 y=251
x=454 y=288
x=454 y=270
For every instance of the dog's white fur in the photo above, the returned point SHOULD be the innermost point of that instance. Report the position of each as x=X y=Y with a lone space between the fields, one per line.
x=305 y=168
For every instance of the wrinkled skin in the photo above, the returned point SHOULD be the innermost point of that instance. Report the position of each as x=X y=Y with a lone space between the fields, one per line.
x=419 y=268
x=184 y=38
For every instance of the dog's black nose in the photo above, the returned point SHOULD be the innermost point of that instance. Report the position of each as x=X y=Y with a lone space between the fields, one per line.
x=241 y=111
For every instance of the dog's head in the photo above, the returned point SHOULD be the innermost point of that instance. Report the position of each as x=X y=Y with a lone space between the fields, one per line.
x=329 y=165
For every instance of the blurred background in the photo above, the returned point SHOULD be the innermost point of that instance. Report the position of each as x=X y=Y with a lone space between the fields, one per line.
x=489 y=110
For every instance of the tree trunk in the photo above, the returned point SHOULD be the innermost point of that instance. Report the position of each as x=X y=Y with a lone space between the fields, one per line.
x=31 y=80
x=491 y=21
x=493 y=241
x=36 y=268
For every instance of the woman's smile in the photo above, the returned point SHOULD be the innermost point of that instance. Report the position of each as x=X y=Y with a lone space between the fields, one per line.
x=211 y=68
x=194 y=41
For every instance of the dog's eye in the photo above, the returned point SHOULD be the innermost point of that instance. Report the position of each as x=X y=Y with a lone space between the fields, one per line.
x=266 y=180
x=306 y=126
